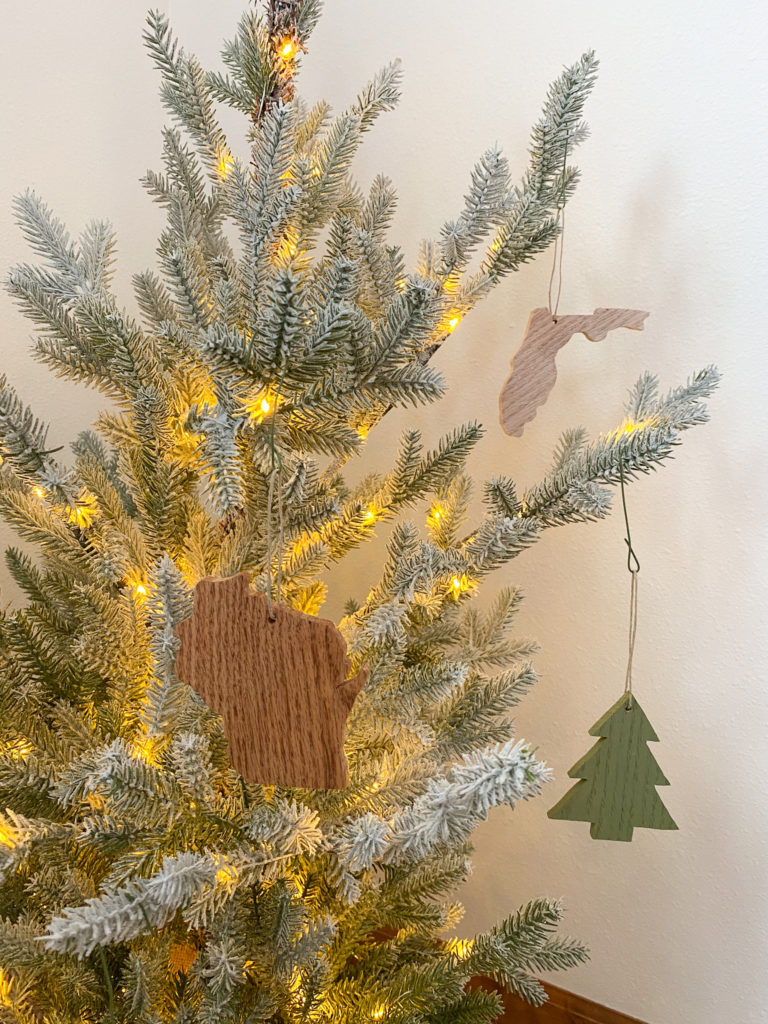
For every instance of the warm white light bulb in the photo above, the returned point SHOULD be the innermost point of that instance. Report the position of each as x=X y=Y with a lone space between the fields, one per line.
x=225 y=164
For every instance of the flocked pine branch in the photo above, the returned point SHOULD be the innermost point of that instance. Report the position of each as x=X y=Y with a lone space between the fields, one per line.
x=131 y=909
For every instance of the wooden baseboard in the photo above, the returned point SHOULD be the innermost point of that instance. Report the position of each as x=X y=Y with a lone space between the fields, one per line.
x=562 y=1008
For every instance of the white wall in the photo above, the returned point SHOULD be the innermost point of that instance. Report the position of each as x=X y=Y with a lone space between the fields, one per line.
x=670 y=217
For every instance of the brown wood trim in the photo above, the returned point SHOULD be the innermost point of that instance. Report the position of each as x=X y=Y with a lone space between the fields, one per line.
x=562 y=1008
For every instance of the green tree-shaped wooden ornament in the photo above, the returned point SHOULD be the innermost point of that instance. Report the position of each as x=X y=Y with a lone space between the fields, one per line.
x=619 y=775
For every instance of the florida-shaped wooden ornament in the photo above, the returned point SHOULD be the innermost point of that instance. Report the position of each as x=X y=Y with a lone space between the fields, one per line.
x=533 y=369
x=280 y=685
x=619 y=775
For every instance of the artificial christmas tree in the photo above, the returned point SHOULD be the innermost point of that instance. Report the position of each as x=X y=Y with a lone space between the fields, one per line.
x=143 y=879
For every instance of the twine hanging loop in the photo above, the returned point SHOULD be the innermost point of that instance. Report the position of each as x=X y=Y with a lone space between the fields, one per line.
x=557 y=250
x=633 y=566
x=275 y=485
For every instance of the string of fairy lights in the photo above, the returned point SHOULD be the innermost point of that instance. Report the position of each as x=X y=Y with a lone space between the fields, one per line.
x=83 y=513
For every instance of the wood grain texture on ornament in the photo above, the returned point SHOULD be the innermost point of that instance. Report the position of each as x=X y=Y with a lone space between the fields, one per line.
x=280 y=685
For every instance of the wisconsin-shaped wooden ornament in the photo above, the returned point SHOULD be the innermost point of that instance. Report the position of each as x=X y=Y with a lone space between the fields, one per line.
x=280 y=685
x=619 y=775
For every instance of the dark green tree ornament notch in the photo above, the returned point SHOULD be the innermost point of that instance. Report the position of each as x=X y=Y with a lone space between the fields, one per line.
x=618 y=778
